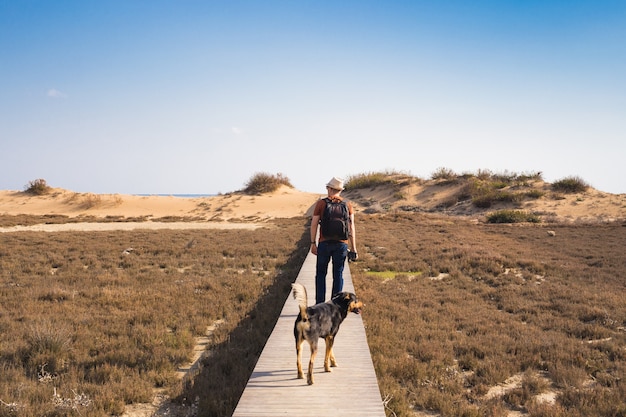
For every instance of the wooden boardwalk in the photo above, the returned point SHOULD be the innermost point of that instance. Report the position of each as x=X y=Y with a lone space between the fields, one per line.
x=351 y=389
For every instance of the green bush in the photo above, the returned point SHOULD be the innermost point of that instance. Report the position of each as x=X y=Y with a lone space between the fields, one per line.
x=534 y=194
x=512 y=216
x=37 y=187
x=570 y=185
x=486 y=199
x=483 y=200
x=266 y=183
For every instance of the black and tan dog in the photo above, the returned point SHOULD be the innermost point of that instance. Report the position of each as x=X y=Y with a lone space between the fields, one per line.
x=320 y=321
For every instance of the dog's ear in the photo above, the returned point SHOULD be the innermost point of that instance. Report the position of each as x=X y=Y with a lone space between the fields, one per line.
x=338 y=297
x=348 y=301
x=341 y=299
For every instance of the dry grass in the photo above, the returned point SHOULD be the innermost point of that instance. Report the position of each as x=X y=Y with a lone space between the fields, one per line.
x=29 y=220
x=512 y=300
x=107 y=317
x=453 y=309
x=375 y=179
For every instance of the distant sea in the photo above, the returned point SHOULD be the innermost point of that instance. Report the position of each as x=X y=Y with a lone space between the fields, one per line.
x=177 y=195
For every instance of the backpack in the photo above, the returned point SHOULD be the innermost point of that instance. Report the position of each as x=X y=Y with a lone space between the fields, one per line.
x=335 y=220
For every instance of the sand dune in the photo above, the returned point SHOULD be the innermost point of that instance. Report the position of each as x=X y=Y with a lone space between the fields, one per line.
x=286 y=202
x=233 y=208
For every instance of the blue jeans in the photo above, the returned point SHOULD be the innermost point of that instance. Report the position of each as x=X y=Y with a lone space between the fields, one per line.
x=327 y=250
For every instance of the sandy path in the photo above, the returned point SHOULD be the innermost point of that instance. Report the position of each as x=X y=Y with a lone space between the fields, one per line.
x=97 y=227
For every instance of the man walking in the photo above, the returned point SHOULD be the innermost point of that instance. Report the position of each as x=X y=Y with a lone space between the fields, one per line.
x=334 y=217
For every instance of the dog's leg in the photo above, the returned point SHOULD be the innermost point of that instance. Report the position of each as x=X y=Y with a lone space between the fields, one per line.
x=299 y=342
x=329 y=359
x=333 y=362
x=309 y=378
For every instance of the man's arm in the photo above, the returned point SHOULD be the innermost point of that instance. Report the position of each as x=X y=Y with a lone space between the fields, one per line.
x=315 y=221
x=352 y=237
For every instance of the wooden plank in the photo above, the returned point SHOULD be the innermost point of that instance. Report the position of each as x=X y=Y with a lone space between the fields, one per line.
x=351 y=389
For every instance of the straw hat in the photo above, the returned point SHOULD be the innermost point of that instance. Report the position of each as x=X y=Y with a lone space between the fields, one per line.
x=335 y=183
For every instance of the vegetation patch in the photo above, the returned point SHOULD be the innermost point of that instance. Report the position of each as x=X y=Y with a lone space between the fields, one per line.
x=441 y=346
x=570 y=185
x=263 y=182
x=93 y=321
x=444 y=174
x=37 y=187
x=387 y=275
x=375 y=179
x=512 y=216
x=483 y=188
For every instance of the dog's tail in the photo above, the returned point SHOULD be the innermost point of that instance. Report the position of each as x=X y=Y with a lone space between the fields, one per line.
x=299 y=293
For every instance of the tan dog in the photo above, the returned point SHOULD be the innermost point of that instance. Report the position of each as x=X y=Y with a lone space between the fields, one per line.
x=320 y=321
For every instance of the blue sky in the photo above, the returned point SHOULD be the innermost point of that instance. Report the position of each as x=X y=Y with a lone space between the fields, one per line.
x=197 y=96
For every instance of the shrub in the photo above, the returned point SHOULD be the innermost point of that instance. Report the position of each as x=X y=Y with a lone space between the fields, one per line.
x=512 y=216
x=499 y=184
x=266 y=183
x=483 y=200
x=486 y=193
x=371 y=179
x=484 y=174
x=49 y=346
x=534 y=194
x=570 y=185
x=504 y=177
x=483 y=194
x=537 y=175
x=37 y=187
x=443 y=174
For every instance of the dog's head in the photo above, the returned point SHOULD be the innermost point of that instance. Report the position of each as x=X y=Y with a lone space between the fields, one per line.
x=348 y=302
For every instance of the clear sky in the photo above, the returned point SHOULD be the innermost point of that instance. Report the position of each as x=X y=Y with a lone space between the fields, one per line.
x=152 y=96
